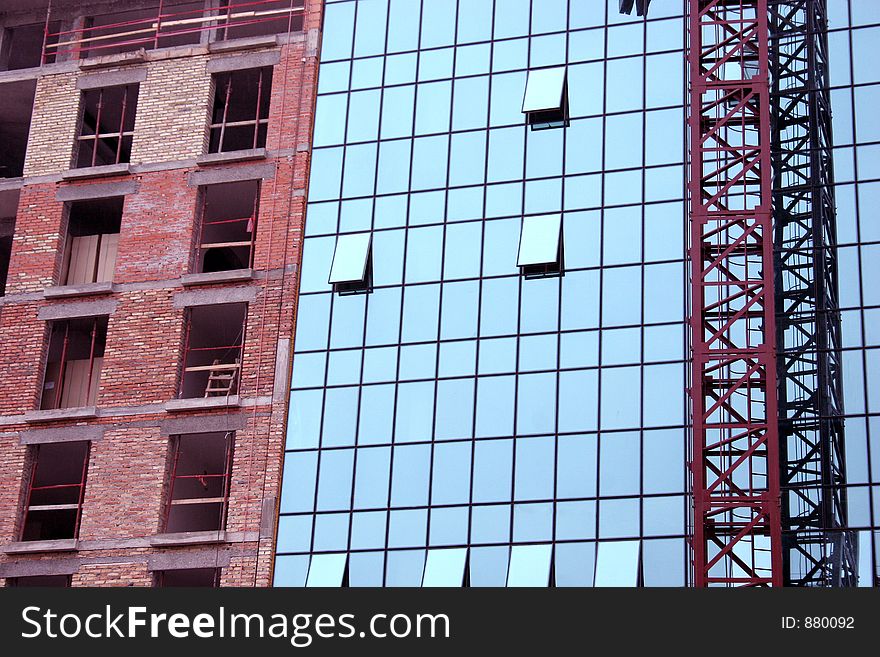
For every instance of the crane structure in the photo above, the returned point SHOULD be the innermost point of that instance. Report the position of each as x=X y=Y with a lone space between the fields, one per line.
x=735 y=467
x=767 y=464
x=817 y=551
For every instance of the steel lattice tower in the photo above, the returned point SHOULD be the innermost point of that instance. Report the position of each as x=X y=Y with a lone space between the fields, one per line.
x=735 y=446
x=816 y=551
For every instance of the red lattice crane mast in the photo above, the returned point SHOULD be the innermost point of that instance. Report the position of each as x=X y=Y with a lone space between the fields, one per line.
x=735 y=446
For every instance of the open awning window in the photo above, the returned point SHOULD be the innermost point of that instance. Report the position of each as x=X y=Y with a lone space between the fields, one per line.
x=530 y=565
x=540 y=245
x=351 y=266
x=545 y=103
x=327 y=570
x=445 y=567
x=617 y=564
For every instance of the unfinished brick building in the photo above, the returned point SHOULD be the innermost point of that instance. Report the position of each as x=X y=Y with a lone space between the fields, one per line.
x=153 y=164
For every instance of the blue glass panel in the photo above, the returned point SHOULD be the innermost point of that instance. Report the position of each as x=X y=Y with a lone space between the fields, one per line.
x=331 y=531
x=573 y=564
x=498 y=311
x=376 y=414
x=619 y=518
x=291 y=570
x=399 y=69
x=432 y=108
x=403 y=25
x=497 y=355
x=334 y=482
x=294 y=533
x=415 y=412
x=488 y=566
x=339 y=21
x=455 y=403
x=421 y=307
x=405 y=568
x=449 y=525
x=429 y=160
x=576 y=467
x=535 y=459
x=533 y=522
x=408 y=529
x=368 y=530
x=366 y=568
x=418 y=362
x=495 y=406
x=536 y=403
x=459 y=310
x=438 y=23
x=511 y=18
x=458 y=358
x=397 y=115
x=467 y=163
x=493 y=466
x=490 y=524
x=411 y=471
x=371 y=477
x=575 y=520
x=423 y=254
x=620 y=464
x=474 y=20
x=450 y=483
x=340 y=417
x=370 y=32
x=304 y=419
x=578 y=400
x=300 y=471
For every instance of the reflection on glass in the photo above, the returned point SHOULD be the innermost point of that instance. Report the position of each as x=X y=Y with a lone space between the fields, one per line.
x=327 y=570
x=529 y=565
x=445 y=568
x=617 y=564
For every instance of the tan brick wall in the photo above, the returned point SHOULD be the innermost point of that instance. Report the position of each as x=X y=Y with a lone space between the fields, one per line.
x=113 y=574
x=173 y=111
x=53 y=126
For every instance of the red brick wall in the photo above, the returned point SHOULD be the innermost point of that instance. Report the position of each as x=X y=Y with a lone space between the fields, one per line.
x=127 y=475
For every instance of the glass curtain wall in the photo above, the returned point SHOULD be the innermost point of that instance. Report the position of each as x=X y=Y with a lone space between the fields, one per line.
x=457 y=404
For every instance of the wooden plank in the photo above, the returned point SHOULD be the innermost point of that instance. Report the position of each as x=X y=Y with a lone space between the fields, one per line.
x=83 y=252
x=107 y=257
x=207 y=368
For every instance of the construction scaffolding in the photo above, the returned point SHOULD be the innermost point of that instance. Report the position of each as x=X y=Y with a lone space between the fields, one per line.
x=816 y=549
x=169 y=23
x=735 y=444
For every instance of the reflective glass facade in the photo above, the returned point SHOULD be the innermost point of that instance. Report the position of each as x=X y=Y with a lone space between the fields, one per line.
x=458 y=404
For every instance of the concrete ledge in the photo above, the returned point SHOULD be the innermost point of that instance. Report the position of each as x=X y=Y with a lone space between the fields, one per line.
x=103 y=171
x=65 y=291
x=119 y=59
x=243 y=61
x=188 y=538
x=77 y=309
x=55 y=414
x=112 y=78
x=180 y=424
x=215 y=296
x=29 y=567
x=212 y=176
x=231 y=276
x=26 y=547
x=232 y=156
x=96 y=190
x=78 y=433
x=201 y=403
x=11 y=184
x=209 y=557
x=245 y=43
